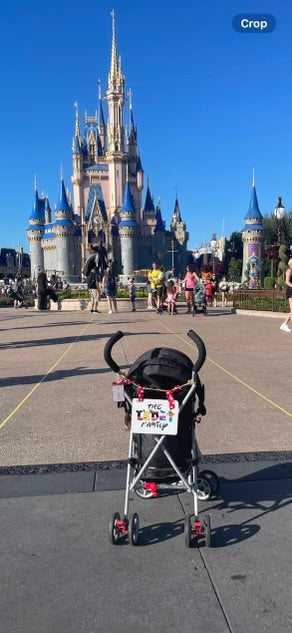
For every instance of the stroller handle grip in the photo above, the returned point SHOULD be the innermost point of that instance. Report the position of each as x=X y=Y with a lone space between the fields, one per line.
x=107 y=353
x=201 y=349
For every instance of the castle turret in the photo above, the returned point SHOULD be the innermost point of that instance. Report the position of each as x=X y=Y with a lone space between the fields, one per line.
x=128 y=231
x=64 y=231
x=177 y=225
x=35 y=233
x=253 y=243
x=115 y=98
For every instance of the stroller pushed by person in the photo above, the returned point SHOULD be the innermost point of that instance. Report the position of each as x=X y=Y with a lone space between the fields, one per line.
x=163 y=400
x=200 y=299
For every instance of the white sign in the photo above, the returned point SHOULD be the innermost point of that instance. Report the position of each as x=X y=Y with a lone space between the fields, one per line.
x=154 y=417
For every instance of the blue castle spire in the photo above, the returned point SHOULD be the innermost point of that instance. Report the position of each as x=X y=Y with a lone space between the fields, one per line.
x=63 y=202
x=148 y=206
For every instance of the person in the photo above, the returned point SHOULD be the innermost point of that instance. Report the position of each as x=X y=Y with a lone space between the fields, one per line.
x=17 y=292
x=170 y=274
x=53 y=281
x=161 y=289
x=172 y=291
x=209 y=292
x=190 y=281
x=154 y=280
x=150 y=305
x=43 y=292
x=215 y=289
x=288 y=280
x=93 y=280
x=132 y=291
x=110 y=290
x=223 y=287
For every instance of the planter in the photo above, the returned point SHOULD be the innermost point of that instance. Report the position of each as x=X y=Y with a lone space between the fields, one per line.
x=84 y=305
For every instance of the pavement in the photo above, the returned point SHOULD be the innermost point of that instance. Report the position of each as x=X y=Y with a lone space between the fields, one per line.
x=63 y=451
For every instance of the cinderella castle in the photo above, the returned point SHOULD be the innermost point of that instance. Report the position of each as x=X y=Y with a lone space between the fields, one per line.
x=107 y=206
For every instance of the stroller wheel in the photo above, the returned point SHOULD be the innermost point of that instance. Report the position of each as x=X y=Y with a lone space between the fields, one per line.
x=212 y=479
x=143 y=492
x=113 y=529
x=204 y=490
x=188 y=531
x=133 y=529
x=207 y=526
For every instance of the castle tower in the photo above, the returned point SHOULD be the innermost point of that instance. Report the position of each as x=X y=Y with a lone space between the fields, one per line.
x=35 y=233
x=177 y=225
x=128 y=231
x=48 y=241
x=115 y=154
x=64 y=230
x=253 y=243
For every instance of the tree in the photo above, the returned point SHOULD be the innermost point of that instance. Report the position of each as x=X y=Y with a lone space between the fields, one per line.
x=234 y=269
x=270 y=225
x=234 y=246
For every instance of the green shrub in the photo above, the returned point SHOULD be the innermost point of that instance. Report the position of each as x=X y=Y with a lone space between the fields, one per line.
x=269 y=283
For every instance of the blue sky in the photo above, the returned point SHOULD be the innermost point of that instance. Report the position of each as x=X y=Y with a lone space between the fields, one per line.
x=210 y=103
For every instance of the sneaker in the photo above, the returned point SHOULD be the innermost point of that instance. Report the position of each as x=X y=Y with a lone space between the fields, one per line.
x=285 y=328
x=110 y=311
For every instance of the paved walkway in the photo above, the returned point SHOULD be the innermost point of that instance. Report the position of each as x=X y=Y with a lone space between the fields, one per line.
x=56 y=391
x=59 y=573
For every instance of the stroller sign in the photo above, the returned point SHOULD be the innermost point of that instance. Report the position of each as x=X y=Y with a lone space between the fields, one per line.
x=154 y=416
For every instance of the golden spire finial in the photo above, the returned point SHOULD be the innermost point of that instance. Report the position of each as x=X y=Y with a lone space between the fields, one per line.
x=114 y=55
x=253 y=177
x=77 y=126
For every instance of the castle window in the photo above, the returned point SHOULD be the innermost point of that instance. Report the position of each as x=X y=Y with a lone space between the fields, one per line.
x=92 y=151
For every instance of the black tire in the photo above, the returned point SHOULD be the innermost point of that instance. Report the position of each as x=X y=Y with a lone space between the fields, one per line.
x=114 y=534
x=207 y=524
x=133 y=529
x=188 y=531
x=204 y=490
x=212 y=479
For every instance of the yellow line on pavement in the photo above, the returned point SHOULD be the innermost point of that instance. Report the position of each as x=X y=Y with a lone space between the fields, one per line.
x=245 y=384
x=43 y=378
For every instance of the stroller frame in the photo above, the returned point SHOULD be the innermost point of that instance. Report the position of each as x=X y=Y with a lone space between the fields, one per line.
x=201 y=485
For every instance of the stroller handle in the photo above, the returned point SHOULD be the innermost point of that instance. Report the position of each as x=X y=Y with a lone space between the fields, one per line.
x=201 y=349
x=107 y=353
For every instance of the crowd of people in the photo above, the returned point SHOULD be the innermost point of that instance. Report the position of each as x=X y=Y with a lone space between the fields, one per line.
x=163 y=288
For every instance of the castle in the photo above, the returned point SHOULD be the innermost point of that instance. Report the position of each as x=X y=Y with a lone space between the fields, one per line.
x=108 y=183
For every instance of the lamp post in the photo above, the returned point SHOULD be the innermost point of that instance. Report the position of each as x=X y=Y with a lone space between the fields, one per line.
x=214 y=246
x=279 y=213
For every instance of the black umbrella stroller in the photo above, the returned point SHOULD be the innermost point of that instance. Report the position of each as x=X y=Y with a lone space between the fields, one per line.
x=163 y=400
x=17 y=296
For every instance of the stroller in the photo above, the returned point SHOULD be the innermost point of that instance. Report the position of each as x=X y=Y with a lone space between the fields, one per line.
x=17 y=296
x=200 y=299
x=163 y=453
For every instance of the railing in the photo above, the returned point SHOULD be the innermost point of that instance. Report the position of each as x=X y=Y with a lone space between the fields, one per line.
x=267 y=300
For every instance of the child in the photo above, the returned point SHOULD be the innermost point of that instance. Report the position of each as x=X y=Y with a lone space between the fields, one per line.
x=132 y=290
x=172 y=292
x=209 y=292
